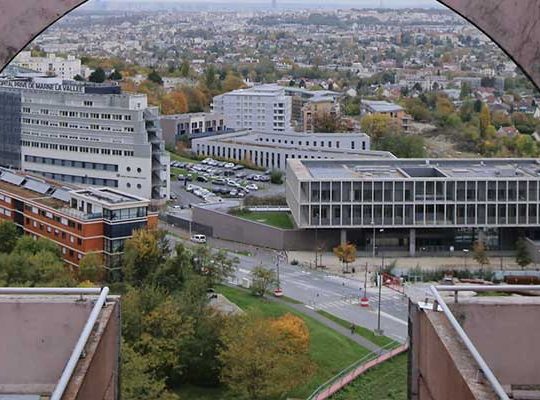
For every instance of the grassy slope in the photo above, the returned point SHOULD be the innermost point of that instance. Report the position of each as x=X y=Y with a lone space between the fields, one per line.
x=331 y=351
x=387 y=381
x=364 y=332
x=278 y=219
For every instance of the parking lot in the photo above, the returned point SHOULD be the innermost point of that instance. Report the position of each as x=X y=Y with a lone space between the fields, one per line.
x=212 y=181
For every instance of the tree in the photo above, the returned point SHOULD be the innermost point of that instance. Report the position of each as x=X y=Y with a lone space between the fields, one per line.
x=143 y=253
x=116 y=75
x=185 y=69
x=78 y=78
x=153 y=76
x=465 y=91
x=525 y=146
x=232 y=82
x=500 y=118
x=263 y=279
x=417 y=109
x=523 y=258
x=346 y=253
x=325 y=122
x=215 y=267
x=174 y=103
x=98 y=76
x=9 y=234
x=485 y=120
x=262 y=358
x=403 y=146
x=91 y=268
x=379 y=125
x=138 y=381
x=479 y=253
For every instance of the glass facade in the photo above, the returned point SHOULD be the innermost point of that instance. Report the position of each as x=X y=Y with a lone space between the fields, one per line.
x=10 y=129
x=413 y=203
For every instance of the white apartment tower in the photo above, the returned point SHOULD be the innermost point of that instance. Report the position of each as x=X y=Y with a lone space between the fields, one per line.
x=93 y=135
x=262 y=108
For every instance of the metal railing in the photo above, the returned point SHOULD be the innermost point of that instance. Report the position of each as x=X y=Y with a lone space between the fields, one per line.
x=85 y=334
x=439 y=301
x=319 y=394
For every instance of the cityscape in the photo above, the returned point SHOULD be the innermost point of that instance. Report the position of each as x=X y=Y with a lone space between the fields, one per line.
x=268 y=200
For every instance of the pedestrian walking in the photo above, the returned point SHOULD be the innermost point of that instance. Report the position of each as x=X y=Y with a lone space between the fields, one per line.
x=353 y=329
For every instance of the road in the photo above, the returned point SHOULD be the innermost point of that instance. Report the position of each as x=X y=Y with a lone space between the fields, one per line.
x=337 y=295
x=318 y=290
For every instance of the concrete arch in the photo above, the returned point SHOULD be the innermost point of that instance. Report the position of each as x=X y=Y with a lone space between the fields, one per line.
x=513 y=24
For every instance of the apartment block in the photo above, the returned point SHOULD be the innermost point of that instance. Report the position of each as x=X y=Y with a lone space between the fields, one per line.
x=79 y=221
x=261 y=108
x=63 y=68
x=85 y=134
x=268 y=150
x=422 y=205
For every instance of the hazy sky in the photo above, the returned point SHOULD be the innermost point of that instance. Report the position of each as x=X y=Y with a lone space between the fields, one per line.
x=358 y=3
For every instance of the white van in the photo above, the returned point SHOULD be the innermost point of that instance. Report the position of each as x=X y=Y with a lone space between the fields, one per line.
x=198 y=238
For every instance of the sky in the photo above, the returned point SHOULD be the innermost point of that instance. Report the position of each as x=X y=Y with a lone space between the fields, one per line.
x=356 y=3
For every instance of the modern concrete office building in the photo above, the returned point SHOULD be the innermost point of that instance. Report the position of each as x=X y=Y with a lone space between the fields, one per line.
x=85 y=134
x=269 y=150
x=261 y=108
x=79 y=221
x=426 y=205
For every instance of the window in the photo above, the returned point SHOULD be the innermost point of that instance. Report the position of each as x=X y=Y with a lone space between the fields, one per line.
x=138 y=186
x=139 y=170
x=88 y=103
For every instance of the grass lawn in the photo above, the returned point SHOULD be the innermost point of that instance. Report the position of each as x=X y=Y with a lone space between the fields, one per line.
x=176 y=157
x=387 y=381
x=330 y=351
x=273 y=218
x=360 y=330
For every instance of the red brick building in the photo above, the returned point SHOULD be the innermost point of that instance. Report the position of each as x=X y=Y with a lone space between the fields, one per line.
x=80 y=221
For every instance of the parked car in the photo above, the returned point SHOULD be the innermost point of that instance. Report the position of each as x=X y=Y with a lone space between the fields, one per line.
x=252 y=186
x=264 y=178
x=201 y=178
x=229 y=165
x=238 y=167
x=174 y=196
x=219 y=181
x=198 y=238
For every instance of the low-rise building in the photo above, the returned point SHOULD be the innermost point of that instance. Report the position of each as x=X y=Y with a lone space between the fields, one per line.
x=369 y=107
x=268 y=150
x=191 y=125
x=79 y=221
x=64 y=68
x=422 y=205
x=319 y=107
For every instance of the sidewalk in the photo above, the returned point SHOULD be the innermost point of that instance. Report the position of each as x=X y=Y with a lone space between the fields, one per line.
x=402 y=264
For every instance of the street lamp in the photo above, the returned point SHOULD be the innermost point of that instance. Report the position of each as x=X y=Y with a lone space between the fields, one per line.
x=379 y=331
x=465 y=252
x=278 y=292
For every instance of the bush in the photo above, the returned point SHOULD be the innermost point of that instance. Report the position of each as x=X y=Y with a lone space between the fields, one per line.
x=276 y=177
x=265 y=201
x=294 y=262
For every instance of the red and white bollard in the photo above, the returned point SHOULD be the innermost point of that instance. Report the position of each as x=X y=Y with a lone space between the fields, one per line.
x=364 y=302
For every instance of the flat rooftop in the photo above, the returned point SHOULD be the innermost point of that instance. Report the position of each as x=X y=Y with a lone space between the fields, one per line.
x=395 y=169
x=37 y=337
x=107 y=196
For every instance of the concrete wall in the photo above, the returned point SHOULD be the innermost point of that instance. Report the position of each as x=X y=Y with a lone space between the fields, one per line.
x=229 y=227
x=439 y=368
x=97 y=375
x=506 y=336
